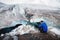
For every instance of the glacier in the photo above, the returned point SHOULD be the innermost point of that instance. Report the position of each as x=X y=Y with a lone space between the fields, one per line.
x=11 y=15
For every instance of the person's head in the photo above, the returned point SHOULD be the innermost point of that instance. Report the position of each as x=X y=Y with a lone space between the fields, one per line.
x=41 y=21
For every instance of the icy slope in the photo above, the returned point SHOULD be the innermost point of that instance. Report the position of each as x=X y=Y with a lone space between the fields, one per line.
x=12 y=14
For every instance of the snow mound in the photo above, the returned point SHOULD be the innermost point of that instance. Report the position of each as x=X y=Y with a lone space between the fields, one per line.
x=23 y=30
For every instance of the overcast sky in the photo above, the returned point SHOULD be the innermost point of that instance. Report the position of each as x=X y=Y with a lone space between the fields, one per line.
x=52 y=3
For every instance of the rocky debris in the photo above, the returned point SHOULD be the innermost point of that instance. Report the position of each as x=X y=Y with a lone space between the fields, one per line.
x=32 y=36
x=8 y=37
x=38 y=36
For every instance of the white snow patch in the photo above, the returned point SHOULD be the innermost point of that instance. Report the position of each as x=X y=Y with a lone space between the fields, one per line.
x=23 y=30
x=55 y=30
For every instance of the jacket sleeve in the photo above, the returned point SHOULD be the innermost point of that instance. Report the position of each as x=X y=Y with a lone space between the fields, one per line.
x=39 y=25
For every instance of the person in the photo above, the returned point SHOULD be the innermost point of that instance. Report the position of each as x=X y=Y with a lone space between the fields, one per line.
x=43 y=27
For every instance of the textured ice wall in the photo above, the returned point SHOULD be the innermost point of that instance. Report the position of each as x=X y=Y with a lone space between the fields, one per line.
x=12 y=13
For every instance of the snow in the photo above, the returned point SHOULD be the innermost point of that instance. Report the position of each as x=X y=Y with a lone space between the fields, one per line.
x=55 y=30
x=23 y=30
x=30 y=29
x=19 y=13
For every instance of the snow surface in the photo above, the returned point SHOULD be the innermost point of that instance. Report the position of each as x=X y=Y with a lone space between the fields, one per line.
x=16 y=14
x=51 y=3
x=30 y=29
